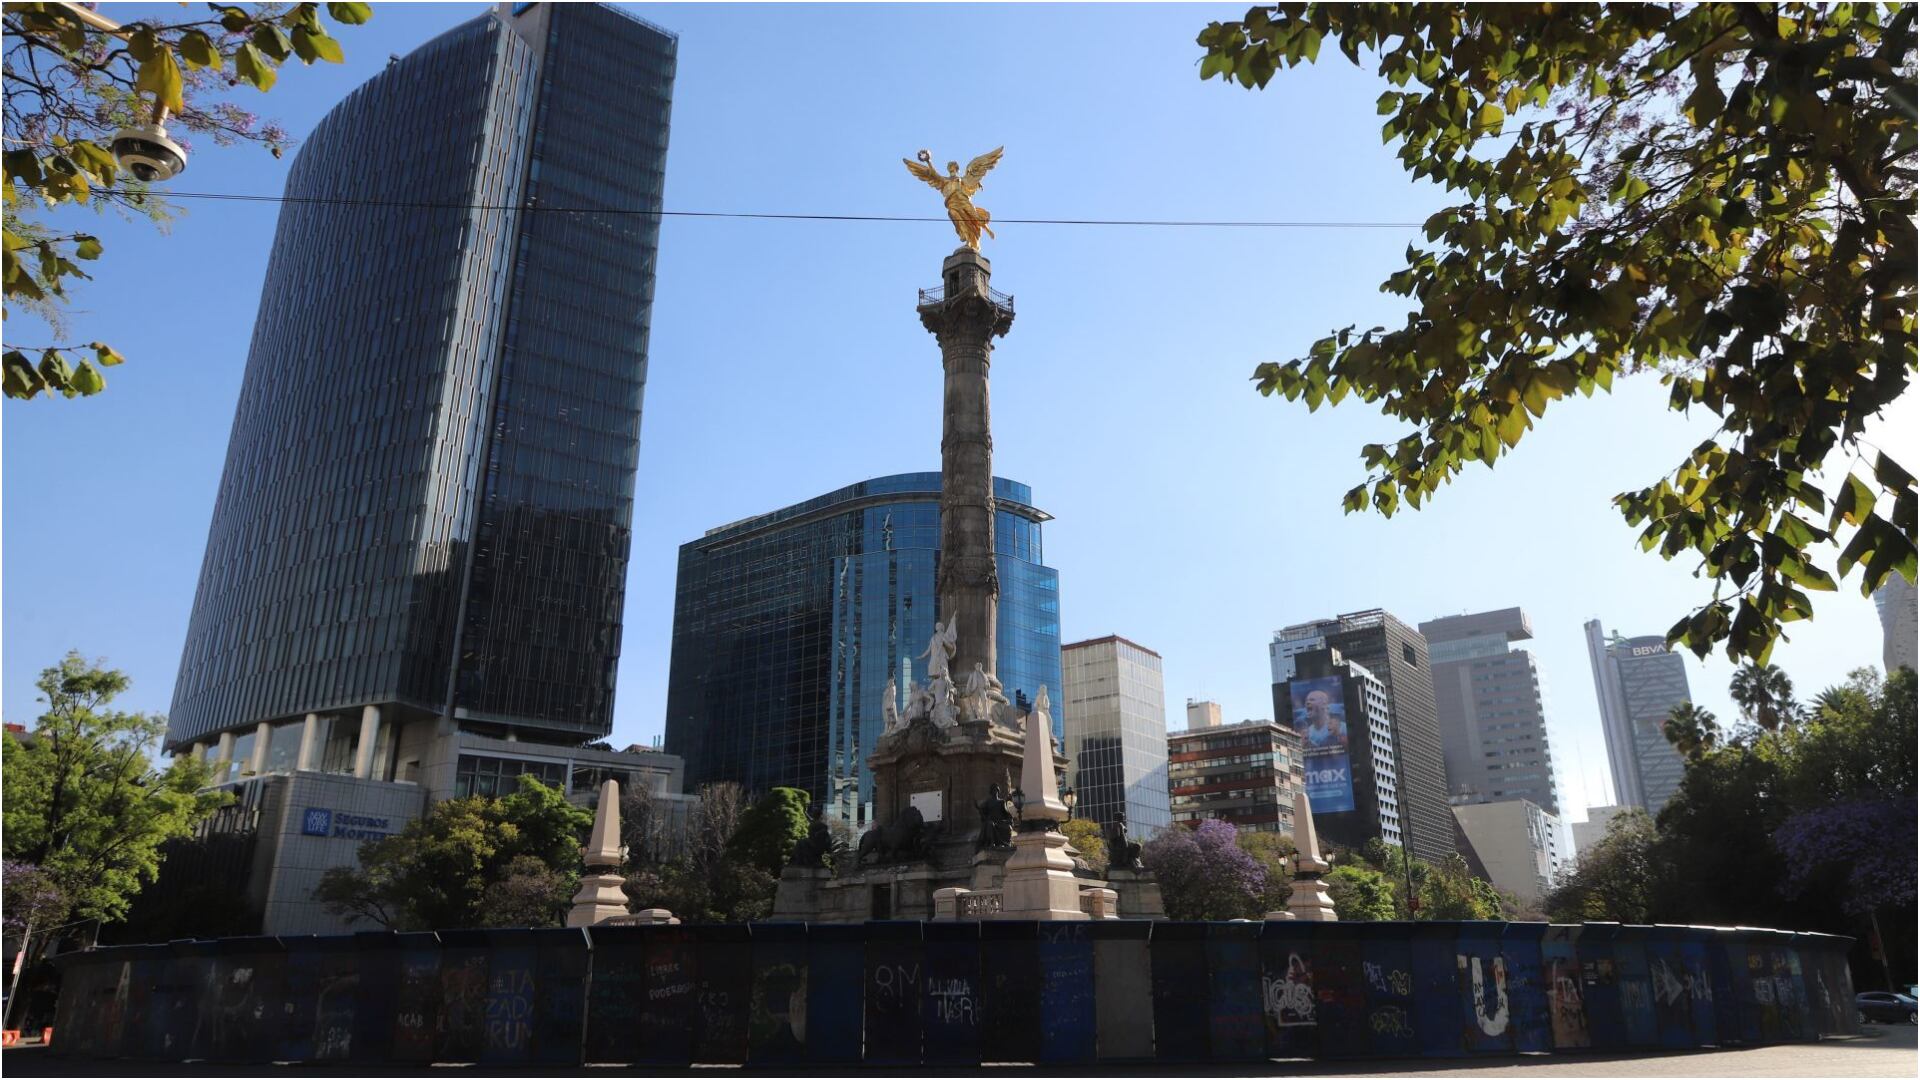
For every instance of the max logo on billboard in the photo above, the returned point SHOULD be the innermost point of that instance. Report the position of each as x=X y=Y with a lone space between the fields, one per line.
x=1327 y=776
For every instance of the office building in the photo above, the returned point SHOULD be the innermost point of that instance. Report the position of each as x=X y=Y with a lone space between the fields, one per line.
x=1116 y=732
x=788 y=625
x=1202 y=714
x=1518 y=843
x=419 y=544
x=1588 y=834
x=1638 y=682
x=1342 y=714
x=1896 y=600
x=1492 y=711
x=1246 y=774
x=1395 y=655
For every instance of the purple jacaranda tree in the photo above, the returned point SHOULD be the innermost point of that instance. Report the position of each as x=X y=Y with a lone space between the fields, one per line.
x=1873 y=838
x=30 y=898
x=1204 y=874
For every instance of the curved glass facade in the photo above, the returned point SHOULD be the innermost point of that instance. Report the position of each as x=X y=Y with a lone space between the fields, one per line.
x=787 y=626
x=429 y=482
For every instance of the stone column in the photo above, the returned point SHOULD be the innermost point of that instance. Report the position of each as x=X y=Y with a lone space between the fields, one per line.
x=601 y=897
x=262 y=735
x=223 y=757
x=1039 y=882
x=1310 y=901
x=309 y=744
x=369 y=735
x=965 y=320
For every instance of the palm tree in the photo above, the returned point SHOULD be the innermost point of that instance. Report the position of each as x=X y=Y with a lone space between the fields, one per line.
x=1765 y=696
x=1692 y=730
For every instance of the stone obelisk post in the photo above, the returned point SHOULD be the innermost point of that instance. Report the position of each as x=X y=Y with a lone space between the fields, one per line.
x=965 y=316
x=601 y=897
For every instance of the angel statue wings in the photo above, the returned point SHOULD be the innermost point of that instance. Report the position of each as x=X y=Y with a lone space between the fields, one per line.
x=958 y=189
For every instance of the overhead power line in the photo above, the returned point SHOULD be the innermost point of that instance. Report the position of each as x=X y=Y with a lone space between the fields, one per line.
x=403 y=204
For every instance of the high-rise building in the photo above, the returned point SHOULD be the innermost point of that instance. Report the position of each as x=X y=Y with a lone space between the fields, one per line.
x=1202 y=714
x=1247 y=774
x=1896 y=600
x=1396 y=655
x=788 y=625
x=1518 y=843
x=1493 y=723
x=1115 y=703
x=416 y=566
x=1342 y=715
x=1638 y=682
x=428 y=495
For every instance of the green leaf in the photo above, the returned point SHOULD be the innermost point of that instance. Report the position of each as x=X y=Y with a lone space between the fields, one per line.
x=253 y=67
x=272 y=41
x=160 y=77
x=105 y=354
x=87 y=379
x=86 y=247
x=351 y=14
x=313 y=46
x=198 y=50
x=55 y=370
x=20 y=380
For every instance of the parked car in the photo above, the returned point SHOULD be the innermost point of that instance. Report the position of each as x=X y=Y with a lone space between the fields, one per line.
x=1881 y=1007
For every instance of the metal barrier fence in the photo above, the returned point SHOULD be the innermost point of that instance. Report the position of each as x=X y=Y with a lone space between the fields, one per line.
x=955 y=993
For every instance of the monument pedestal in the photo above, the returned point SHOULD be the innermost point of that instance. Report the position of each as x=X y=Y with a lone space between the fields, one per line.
x=1039 y=881
x=1139 y=894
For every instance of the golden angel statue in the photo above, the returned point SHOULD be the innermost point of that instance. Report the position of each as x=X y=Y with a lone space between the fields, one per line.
x=958 y=189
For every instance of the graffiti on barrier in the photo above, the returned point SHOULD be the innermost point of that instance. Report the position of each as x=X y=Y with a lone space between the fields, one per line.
x=1289 y=999
x=1395 y=981
x=1492 y=1020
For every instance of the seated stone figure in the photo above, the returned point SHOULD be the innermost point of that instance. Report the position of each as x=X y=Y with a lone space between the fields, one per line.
x=996 y=821
x=813 y=852
x=903 y=838
x=1122 y=853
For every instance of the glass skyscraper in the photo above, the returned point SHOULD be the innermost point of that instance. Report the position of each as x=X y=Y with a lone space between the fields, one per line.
x=786 y=627
x=428 y=494
x=1115 y=702
x=1638 y=681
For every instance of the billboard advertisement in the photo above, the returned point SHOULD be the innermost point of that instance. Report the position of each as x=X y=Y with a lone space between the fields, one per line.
x=1320 y=716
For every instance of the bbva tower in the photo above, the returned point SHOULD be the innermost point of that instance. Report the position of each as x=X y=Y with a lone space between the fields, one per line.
x=419 y=546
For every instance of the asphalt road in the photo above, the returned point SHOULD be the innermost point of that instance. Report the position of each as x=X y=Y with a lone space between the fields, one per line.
x=1881 y=1051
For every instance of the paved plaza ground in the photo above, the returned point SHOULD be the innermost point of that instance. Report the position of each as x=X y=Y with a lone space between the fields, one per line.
x=1881 y=1051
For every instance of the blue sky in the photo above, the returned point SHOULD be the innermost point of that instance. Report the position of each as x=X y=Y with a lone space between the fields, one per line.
x=1192 y=515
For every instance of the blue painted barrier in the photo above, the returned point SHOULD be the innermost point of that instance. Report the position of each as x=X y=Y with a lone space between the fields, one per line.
x=908 y=993
x=950 y=1002
x=1236 y=1030
x=777 y=1022
x=1066 y=992
x=835 y=973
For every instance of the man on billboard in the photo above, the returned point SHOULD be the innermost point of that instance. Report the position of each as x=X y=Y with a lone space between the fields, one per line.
x=1324 y=730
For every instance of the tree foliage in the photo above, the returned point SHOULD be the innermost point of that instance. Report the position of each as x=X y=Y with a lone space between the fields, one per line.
x=1362 y=894
x=68 y=87
x=84 y=802
x=1809 y=826
x=717 y=875
x=468 y=862
x=769 y=828
x=1692 y=730
x=1718 y=193
x=1087 y=838
x=1765 y=696
x=1613 y=882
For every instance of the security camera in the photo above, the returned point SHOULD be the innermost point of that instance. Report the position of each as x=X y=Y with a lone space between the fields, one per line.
x=145 y=151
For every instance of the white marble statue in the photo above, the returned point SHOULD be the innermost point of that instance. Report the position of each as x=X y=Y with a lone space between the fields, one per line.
x=945 y=712
x=919 y=703
x=939 y=654
x=889 y=707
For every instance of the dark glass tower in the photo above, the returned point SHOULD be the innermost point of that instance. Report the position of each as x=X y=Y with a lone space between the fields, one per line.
x=428 y=494
x=786 y=627
x=1395 y=655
